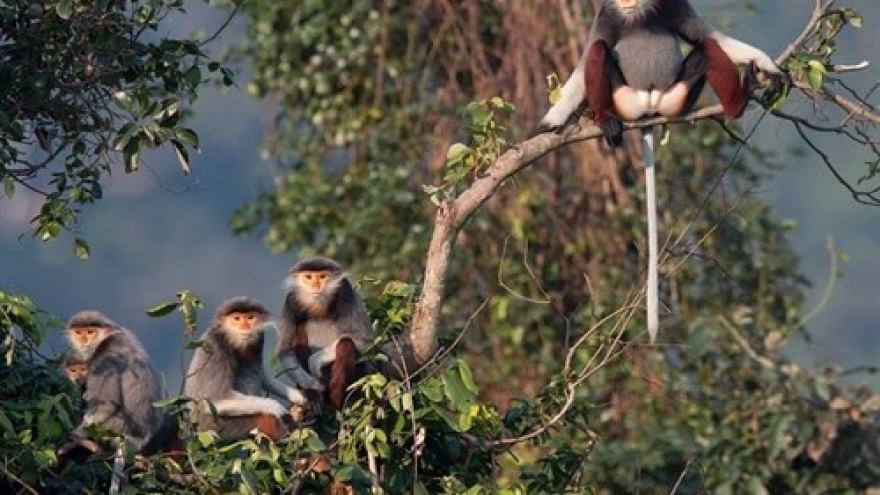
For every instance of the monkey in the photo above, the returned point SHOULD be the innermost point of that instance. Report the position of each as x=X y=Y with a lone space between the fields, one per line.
x=228 y=372
x=596 y=80
x=323 y=322
x=120 y=382
x=634 y=68
x=77 y=369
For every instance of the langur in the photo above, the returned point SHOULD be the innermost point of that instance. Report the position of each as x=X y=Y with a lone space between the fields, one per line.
x=634 y=68
x=120 y=382
x=228 y=372
x=323 y=322
x=77 y=369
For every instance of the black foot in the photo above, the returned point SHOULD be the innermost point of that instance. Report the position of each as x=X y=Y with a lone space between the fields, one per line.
x=612 y=129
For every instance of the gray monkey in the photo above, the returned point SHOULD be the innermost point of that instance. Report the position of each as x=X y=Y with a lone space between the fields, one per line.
x=120 y=384
x=323 y=322
x=228 y=372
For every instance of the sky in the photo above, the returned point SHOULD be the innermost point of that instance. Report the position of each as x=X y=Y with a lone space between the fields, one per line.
x=157 y=232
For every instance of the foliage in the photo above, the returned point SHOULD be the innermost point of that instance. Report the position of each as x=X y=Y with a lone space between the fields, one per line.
x=543 y=384
x=38 y=406
x=88 y=88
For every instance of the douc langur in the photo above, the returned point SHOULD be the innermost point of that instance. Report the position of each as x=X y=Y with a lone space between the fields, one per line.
x=633 y=68
x=121 y=384
x=228 y=372
x=323 y=322
x=77 y=369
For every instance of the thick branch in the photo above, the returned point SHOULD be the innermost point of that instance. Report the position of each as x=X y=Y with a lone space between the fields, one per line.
x=454 y=213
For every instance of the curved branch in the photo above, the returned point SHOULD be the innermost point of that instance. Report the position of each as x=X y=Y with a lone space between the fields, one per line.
x=453 y=213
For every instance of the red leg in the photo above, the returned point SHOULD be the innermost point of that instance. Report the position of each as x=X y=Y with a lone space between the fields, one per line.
x=725 y=80
x=597 y=82
x=343 y=372
x=270 y=426
x=234 y=427
x=601 y=76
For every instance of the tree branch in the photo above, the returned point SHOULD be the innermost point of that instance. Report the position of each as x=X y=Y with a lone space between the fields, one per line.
x=452 y=214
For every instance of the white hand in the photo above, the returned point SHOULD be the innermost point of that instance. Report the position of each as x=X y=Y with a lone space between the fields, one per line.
x=305 y=380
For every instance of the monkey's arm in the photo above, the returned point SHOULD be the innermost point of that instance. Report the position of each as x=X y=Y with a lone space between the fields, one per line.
x=693 y=28
x=295 y=371
x=238 y=404
x=282 y=390
x=573 y=93
x=327 y=354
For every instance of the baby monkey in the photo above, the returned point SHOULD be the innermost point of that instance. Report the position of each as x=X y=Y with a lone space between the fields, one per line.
x=77 y=369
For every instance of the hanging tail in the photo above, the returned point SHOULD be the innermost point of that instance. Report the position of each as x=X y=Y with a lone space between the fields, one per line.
x=652 y=296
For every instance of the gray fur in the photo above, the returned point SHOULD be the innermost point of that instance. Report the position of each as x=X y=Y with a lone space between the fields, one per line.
x=327 y=317
x=649 y=58
x=610 y=24
x=122 y=384
x=235 y=382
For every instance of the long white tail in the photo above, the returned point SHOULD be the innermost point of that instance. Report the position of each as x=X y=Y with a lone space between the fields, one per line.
x=651 y=206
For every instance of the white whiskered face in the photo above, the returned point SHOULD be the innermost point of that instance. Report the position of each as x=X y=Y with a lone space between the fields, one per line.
x=243 y=328
x=87 y=339
x=314 y=289
x=633 y=10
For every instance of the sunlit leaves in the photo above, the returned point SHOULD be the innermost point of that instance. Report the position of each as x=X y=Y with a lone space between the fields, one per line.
x=103 y=87
x=188 y=303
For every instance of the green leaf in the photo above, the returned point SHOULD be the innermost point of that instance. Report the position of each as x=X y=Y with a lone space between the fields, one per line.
x=206 y=438
x=182 y=155
x=755 y=486
x=163 y=309
x=188 y=137
x=81 y=249
x=467 y=377
x=456 y=390
x=815 y=73
x=64 y=9
x=8 y=187
x=456 y=153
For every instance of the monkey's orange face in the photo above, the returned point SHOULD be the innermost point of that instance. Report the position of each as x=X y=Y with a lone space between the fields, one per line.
x=634 y=8
x=314 y=282
x=243 y=327
x=83 y=337
x=77 y=371
x=243 y=322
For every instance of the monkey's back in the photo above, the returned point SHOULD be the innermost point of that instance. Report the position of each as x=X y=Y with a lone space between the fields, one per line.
x=649 y=58
x=121 y=377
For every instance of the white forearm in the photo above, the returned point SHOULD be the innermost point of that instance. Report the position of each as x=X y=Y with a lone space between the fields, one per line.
x=282 y=390
x=246 y=405
x=744 y=53
x=321 y=358
x=301 y=377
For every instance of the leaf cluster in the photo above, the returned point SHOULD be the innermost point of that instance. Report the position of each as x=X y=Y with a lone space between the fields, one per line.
x=88 y=87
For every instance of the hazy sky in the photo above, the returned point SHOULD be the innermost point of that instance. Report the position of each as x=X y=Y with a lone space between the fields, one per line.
x=157 y=232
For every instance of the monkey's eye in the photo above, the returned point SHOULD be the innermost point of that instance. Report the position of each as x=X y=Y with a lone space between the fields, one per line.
x=324 y=276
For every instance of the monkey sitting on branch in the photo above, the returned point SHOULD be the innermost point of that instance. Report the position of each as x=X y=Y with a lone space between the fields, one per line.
x=323 y=329
x=119 y=384
x=634 y=68
x=227 y=376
